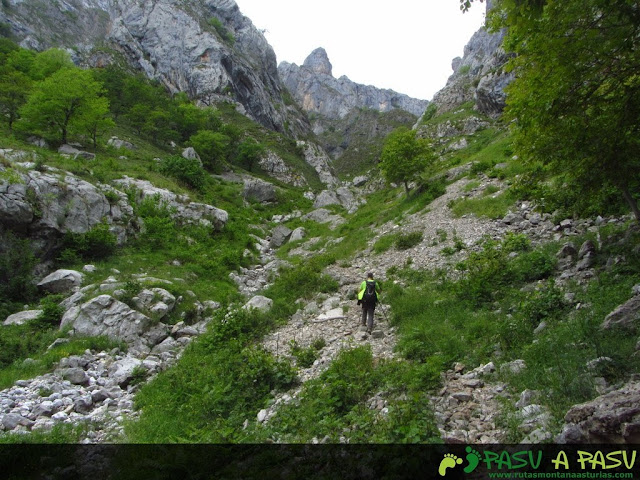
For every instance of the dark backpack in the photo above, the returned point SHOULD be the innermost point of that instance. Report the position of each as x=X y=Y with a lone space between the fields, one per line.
x=370 y=296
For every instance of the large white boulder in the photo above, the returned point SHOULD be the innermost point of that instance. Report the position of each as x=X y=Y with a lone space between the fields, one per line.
x=61 y=281
x=104 y=315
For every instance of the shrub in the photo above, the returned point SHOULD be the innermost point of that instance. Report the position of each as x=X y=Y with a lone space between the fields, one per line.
x=544 y=303
x=186 y=170
x=226 y=36
x=319 y=343
x=406 y=241
x=480 y=167
x=515 y=242
x=51 y=311
x=485 y=272
x=304 y=356
x=429 y=113
x=97 y=243
x=531 y=266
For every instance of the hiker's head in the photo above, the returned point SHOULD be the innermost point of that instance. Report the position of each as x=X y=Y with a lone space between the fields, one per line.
x=370 y=275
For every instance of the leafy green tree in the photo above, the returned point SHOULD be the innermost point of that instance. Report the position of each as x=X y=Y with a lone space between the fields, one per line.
x=137 y=116
x=14 y=89
x=95 y=118
x=21 y=60
x=113 y=79
x=576 y=98
x=404 y=157
x=249 y=152
x=139 y=90
x=160 y=126
x=189 y=118
x=48 y=62
x=6 y=48
x=65 y=101
x=211 y=146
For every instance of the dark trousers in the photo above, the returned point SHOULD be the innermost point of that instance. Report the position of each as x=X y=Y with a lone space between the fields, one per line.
x=367 y=314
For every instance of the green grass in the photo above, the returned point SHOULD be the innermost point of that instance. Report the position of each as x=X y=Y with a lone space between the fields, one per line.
x=335 y=404
x=494 y=207
x=221 y=377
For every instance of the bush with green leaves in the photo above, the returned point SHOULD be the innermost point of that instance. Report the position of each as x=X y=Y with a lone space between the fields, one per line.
x=303 y=281
x=485 y=272
x=96 y=243
x=306 y=356
x=188 y=171
x=408 y=240
x=225 y=34
x=545 y=303
x=52 y=311
x=160 y=229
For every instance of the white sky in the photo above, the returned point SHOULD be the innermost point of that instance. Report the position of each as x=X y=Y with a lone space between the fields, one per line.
x=404 y=45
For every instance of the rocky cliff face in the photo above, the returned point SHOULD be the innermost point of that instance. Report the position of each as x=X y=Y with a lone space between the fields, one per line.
x=478 y=76
x=206 y=48
x=315 y=88
x=350 y=120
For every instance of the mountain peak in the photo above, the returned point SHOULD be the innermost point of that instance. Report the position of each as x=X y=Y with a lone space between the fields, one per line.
x=318 y=62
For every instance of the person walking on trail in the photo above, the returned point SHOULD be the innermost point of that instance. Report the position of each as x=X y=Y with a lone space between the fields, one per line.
x=368 y=297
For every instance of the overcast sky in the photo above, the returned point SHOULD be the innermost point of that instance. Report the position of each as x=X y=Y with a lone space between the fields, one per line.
x=404 y=45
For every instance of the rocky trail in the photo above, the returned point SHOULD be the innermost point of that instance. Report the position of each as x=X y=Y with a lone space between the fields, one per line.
x=469 y=402
x=466 y=406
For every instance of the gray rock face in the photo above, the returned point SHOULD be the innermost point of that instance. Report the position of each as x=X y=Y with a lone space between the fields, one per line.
x=611 y=418
x=75 y=153
x=259 y=190
x=326 y=198
x=76 y=376
x=104 y=315
x=319 y=160
x=317 y=91
x=259 y=302
x=186 y=211
x=478 y=76
x=21 y=318
x=61 y=281
x=118 y=143
x=275 y=167
x=625 y=316
x=279 y=236
x=342 y=196
x=46 y=205
x=174 y=42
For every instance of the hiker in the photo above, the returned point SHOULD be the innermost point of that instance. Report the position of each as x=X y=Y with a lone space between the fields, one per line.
x=368 y=297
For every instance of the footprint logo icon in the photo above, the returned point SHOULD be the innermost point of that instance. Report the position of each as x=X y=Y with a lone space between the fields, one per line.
x=449 y=461
x=473 y=457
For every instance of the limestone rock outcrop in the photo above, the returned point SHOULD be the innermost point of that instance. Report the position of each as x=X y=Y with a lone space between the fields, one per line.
x=44 y=205
x=317 y=90
x=478 y=76
x=185 y=211
x=611 y=418
x=206 y=48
